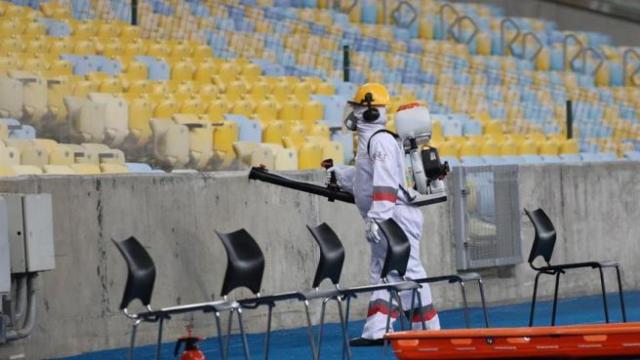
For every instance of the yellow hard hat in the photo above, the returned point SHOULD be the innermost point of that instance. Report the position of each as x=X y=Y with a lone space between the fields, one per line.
x=379 y=95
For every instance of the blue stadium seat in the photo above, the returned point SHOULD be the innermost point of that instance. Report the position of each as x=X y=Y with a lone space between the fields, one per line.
x=551 y=159
x=56 y=28
x=493 y=160
x=346 y=139
x=345 y=88
x=472 y=161
x=138 y=167
x=531 y=159
x=632 y=155
x=570 y=157
x=595 y=157
x=82 y=65
x=17 y=130
x=248 y=130
x=333 y=109
x=157 y=69
x=453 y=162
x=511 y=160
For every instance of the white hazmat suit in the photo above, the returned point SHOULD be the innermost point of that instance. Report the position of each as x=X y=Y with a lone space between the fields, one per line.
x=375 y=183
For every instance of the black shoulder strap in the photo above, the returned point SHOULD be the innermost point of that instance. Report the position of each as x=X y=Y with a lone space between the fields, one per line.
x=395 y=136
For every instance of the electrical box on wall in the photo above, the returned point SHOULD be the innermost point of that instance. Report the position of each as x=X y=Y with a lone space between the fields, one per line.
x=30 y=225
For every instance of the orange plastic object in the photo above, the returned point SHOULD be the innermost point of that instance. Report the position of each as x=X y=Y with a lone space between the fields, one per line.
x=560 y=342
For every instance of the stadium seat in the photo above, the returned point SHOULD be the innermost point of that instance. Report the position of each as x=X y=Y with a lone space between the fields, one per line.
x=116 y=118
x=87 y=119
x=57 y=170
x=30 y=152
x=11 y=98
x=138 y=167
x=200 y=138
x=170 y=142
x=309 y=156
x=140 y=113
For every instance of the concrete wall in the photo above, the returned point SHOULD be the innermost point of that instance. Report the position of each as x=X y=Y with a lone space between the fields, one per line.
x=623 y=32
x=595 y=208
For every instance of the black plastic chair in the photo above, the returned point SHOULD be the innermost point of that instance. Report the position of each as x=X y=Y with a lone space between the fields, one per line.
x=140 y=281
x=543 y=244
x=246 y=268
x=396 y=259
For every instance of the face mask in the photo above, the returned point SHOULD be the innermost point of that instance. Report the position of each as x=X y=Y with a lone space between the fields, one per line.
x=351 y=122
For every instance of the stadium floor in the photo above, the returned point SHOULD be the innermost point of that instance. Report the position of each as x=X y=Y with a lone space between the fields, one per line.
x=292 y=344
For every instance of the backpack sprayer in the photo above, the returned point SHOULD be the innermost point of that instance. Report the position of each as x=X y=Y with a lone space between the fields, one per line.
x=423 y=185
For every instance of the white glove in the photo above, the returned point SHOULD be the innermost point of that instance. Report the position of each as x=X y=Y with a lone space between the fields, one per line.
x=372 y=231
x=330 y=171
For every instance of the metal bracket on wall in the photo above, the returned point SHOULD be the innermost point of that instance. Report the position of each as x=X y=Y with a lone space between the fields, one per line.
x=565 y=47
x=583 y=55
x=625 y=65
x=457 y=24
x=503 y=31
x=397 y=11
x=441 y=12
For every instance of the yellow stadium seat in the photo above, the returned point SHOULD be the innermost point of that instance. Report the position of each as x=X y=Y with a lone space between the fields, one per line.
x=326 y=89
x=11 y=98
x=217 y=109
x=113 y=48
x=332 y=150
x=228 y=72
x=286 y=159
x=266 y=111
x=116 y=117
x=140 y=113
x=569 y=146
x=549 y=147
x=8 y=63
x=264 y=155
x=236 y=90
x=528 y=147
x=200 y=138
x=57 y=154
x=30 y=152
x=166 y=107
x=192 y=105
x=490 y=148
x=170 y=142
x=109 y=168
x=280 y=91
x=494 y=130
x=469 y=148
x=290 y=110
x=34 y=95
x=243 y=150
x=251 y=72
x=11 y=45
x=509 y=148
x=273 y=132
x=83 y=155
x=110 y=85
x=158 y=49
x=86 y=169
x=436 y=131
x=87 y=118
x=84 y=47
x=60 y=68
x=9 y=156
x=259 y=91
x=204 y=71
x=129 y=33
x=57 y=89
x=302 y=91
x=312 y=111
x=202 y=53
x=26 y=170
x=243 y=107
x=182 y=71
x=319 y=130
x=82 y=88
x=207 y=93
x=58 y=170
x=36 y=47
x=309 y=156
x=225 y=134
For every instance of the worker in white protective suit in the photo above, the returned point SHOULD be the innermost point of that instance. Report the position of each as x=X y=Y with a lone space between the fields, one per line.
x=376 y=183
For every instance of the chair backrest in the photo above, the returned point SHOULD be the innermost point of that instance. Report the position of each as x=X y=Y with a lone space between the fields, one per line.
x=545 y=237
x=245 y=262
x=331 y=254
x=398 y=249
x=141 y=272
